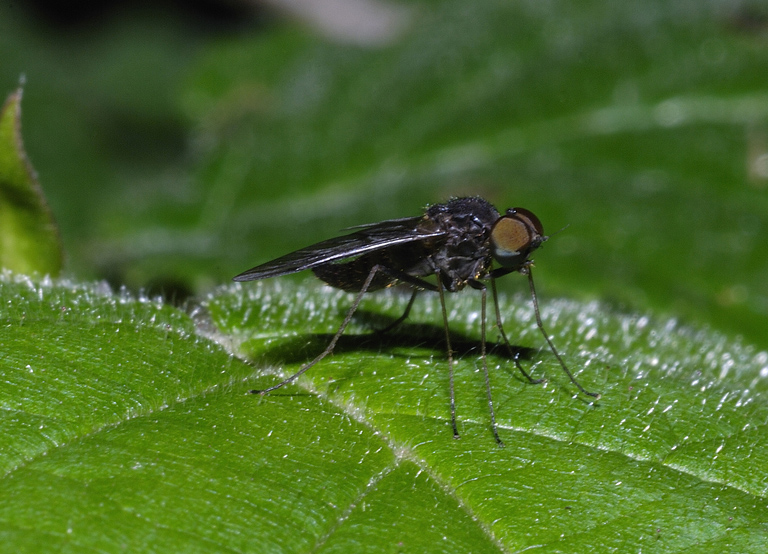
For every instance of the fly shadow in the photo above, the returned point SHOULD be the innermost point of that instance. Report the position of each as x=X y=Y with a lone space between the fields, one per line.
x=297 y=349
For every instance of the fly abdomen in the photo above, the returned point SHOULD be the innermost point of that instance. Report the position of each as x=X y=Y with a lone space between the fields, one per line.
x=350 y=276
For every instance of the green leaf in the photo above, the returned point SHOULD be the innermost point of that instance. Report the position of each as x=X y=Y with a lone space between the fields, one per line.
x=640 y=123
x=29 y=241
x=123 y=429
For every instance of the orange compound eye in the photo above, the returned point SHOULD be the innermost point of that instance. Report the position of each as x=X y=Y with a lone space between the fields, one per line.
x=529 y=217
x=514 y=236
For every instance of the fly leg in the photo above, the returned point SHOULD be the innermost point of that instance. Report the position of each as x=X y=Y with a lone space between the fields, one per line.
x=482 y=288
x=526 y=270
x=440 y=289
x=334 y=340
x=549 y=341
x=515 y=354
x=415 y=281
x=403 y=317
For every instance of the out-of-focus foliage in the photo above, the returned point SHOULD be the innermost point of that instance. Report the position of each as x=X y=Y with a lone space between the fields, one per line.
x=642 y=125
x=29 y=242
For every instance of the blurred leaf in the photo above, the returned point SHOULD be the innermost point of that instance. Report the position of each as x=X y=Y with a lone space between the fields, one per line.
x=29 y=241
x=641 y=124
x=182 y=158
x=124 y=430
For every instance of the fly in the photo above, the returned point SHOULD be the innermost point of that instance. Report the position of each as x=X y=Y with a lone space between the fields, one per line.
x=456 y=242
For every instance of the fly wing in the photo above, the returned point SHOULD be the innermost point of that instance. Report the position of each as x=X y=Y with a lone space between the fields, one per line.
x=369 y=238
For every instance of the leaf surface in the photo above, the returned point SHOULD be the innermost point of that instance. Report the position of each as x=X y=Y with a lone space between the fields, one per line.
x=124 y=428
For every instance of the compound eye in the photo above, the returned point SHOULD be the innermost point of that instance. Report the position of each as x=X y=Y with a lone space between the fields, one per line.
x=529 y=217
x=514 y=236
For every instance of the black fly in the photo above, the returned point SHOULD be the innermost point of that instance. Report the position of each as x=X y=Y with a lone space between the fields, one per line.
x=457 y=242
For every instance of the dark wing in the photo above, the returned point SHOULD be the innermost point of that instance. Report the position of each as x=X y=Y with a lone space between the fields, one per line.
x=369 y=238
x=405 y=221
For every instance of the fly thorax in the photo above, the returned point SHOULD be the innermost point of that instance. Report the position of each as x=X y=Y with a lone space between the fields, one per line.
x=459 y=261
x=465 y=250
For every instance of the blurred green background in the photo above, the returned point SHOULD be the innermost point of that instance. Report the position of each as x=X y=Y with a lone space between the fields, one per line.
x=181 y=143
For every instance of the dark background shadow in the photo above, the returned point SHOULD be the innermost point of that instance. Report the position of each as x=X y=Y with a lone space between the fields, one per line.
x=303 y=348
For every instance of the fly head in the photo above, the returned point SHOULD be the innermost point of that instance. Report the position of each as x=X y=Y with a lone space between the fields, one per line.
x=514 y=236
